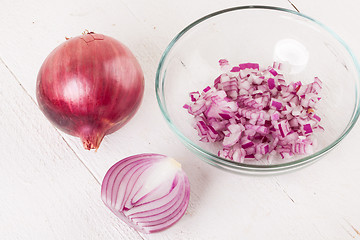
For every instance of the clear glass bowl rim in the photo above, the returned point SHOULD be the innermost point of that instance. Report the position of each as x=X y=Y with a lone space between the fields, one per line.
x=243 y=167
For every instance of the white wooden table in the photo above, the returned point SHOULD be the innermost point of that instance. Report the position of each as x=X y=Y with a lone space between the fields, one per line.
x=50 y=186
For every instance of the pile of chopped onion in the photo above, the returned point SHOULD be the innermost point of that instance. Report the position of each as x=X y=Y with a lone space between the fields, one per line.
x=256 y=114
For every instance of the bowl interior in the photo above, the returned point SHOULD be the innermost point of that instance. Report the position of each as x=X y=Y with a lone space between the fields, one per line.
x=260 y=35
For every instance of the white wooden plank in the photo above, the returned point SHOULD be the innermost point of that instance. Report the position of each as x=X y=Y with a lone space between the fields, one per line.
x=167 y=18
x=328 y=192
x=340 y=16
x=36 y=32
x=30 y=30
x=45 y=191
x=259 y=207
x=331 y=187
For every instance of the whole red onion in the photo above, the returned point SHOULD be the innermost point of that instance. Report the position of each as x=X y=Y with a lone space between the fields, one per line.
x=90 y=86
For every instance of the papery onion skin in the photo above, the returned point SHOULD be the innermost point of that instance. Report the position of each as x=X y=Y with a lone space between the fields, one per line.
x=90 y=86
x=131 y=189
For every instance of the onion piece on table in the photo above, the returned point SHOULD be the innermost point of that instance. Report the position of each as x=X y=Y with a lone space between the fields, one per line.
x=149 y=192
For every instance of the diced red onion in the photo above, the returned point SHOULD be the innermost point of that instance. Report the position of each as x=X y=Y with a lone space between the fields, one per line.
x=277 y=65
x=247 y=145
x=244 y=66
x=273 y=72
x=271 y=83
x=307 y=129
x=235 y=69
x=317 y=117
x=233 y=137
x=284 y=128
x=256 y=114
x=223 y=62
x=276 y=104
x=239 y=154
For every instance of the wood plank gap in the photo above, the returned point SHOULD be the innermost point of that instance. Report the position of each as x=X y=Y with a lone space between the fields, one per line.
x=17 y=80
x=33 y=100
x=77 y=156
x=283 y=189
x=294 y=6
x=347 y=231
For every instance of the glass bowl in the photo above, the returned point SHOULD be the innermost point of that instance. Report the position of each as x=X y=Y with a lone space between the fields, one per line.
x=260 y=34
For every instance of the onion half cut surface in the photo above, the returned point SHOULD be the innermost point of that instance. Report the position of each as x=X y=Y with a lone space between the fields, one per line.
x=150 y=192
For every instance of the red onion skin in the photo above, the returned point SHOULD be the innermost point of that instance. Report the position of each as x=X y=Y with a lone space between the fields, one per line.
x=90 y=86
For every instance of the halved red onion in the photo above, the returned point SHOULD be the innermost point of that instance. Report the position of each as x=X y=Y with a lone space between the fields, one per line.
x=149 y=192
x=255 y=113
